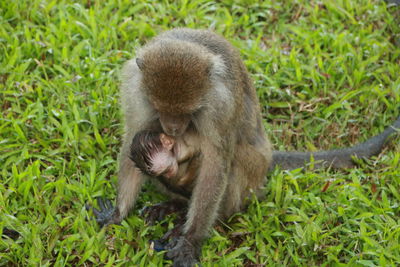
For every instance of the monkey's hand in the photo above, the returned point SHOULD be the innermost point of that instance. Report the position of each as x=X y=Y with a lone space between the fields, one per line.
x=182 y=252
x=169 y=238
x=106 y=214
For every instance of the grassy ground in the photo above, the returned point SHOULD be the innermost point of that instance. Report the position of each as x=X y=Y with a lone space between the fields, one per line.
x=327 y=74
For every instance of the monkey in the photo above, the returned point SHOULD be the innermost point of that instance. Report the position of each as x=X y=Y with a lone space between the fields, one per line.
x=153 y=153
x=173 y=161
x=159 y=155
x=194 y=80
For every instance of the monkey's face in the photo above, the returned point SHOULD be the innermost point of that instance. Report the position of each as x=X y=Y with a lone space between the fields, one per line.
x=163 y=160
x=174 y=125
x=164 y=163
x=176 y=80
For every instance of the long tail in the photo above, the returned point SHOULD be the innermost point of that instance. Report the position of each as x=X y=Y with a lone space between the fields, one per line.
x=336 y=158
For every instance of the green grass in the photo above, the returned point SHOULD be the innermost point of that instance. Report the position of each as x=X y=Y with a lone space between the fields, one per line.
x=327 y=75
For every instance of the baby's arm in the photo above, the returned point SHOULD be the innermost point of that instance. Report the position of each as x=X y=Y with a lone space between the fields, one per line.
x=187 y=147
x=191 y=172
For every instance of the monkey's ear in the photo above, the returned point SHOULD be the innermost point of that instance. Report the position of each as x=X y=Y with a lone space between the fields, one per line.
x=140 y=63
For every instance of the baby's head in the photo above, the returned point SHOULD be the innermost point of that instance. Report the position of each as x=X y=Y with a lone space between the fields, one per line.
x=152 y=153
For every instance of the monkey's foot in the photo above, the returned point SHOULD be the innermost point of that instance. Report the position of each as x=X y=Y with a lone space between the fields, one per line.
x=158 y=212
x=106 y=214
x=172 y=235
x=182 y=252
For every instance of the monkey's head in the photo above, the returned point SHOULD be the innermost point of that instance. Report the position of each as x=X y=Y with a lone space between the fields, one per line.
x=176 y=79
x=153 y=154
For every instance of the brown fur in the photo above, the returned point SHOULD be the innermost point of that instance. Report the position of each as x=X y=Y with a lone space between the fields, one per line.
x=166 y=67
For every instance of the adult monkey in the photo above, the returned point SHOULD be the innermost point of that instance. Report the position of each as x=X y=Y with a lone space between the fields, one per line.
x=194 y=79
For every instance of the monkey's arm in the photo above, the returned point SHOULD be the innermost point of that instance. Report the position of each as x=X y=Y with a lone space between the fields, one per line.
x=187 y=147
x=337 y=158
x=205 y=201
x=191 y=172
x=130 y=181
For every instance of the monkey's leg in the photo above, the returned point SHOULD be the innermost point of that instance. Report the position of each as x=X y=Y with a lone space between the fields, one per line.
x=158 y=212
x=204 y=205
x=247 y=177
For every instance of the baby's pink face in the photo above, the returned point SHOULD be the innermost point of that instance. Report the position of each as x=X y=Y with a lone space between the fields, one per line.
x=164 y=164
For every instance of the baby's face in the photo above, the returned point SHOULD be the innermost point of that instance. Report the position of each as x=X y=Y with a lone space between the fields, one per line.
x=164 y=164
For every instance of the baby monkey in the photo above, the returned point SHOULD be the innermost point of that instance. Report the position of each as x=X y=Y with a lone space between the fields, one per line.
x=154 y=154
x=172 y=160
